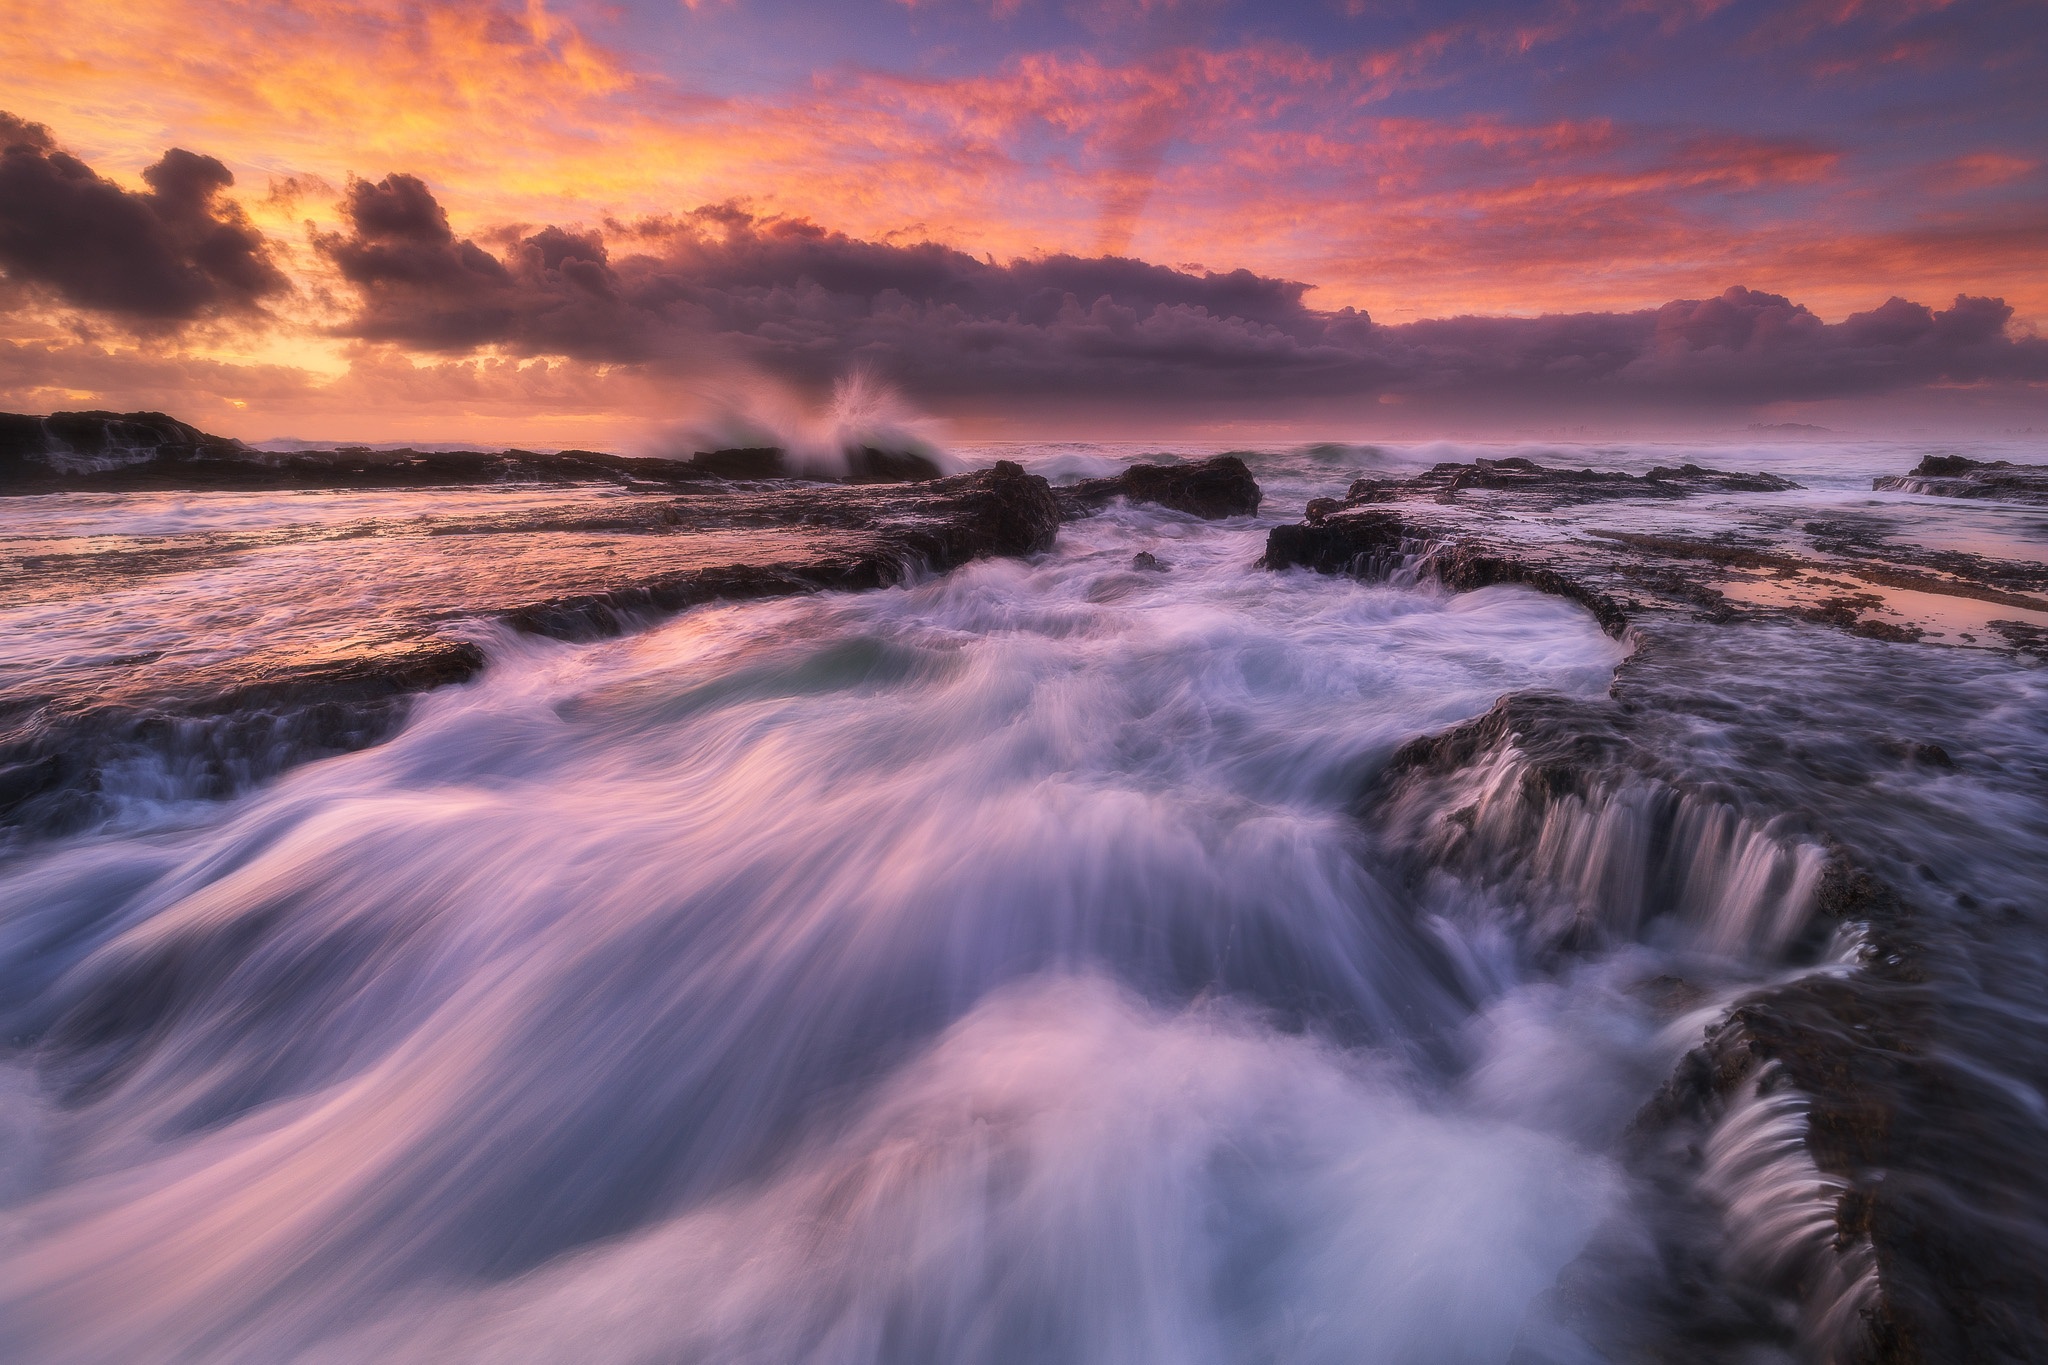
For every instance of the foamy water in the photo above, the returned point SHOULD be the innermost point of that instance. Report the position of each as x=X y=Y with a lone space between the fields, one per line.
x=994 y=968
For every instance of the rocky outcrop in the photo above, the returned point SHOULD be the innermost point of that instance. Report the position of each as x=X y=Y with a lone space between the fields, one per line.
x=1211 y=489
x=144 y=451
x=1722 y=800
x=996 y=512
x=870 y=464
x=1532 y=483
x=1956 y=476
x=87 y=440
x=864 y=464
x=302 y=672
x=141 y=451
x=741 y=462
x=1858 y=1126
x=1473 y=532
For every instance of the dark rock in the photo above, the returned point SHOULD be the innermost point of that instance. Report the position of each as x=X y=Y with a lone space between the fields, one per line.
x=864 y=464
x=1373 y=543
x=1467 y=526
x=144 y=451
x=302 y=679
x=1955 y=476
x=1935 y=1152
x=869 y=465
x=1948 y=466
x=1538 y=485
x=1211 y=489
x=743 y=462
x=102 y=435
x=1149 y=562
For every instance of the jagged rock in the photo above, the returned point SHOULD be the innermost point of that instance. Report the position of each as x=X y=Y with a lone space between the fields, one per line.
x=1956 y=476
x=1584 y=816
x=1149 y=562
x=1211 y=489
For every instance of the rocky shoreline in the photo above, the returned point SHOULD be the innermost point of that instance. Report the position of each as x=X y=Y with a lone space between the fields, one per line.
x=1600 y=818
x=642 y=545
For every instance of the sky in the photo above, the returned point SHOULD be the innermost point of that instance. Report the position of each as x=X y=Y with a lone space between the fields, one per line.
x=560 y=222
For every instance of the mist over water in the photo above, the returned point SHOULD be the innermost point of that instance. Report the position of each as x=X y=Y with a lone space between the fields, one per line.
x=994 y=968
x=815 y=438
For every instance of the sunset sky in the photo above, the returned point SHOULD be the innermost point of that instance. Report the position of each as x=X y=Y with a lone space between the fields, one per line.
x=569 y=223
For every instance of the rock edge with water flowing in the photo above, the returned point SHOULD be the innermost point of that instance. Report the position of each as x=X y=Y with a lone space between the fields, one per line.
x=220 y=722
x=1598 y=817
x=1958 y=476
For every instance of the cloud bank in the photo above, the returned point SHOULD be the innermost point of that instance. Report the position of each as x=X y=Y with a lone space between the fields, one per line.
x=720 y=286
x=806 y=305
x=172 y=253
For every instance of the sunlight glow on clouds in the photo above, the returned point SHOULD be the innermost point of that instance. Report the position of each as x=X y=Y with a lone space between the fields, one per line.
x=1480 y=159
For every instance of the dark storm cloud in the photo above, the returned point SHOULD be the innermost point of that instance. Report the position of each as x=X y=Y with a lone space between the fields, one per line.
x=168 y=254
x=806 y=303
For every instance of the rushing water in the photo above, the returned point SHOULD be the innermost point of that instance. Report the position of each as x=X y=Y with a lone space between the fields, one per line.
x=989 y=969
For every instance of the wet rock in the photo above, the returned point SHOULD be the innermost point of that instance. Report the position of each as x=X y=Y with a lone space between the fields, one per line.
x=1149 y=562
x=79 y=438
x=741 y=462
x=205 y=743
x=1470 y=526
x=935 y=525
x=867 y=464
x=1955 y=476
x=1734 y=753
x=142 y=452
x=864 y=464
x=1211 y=489
x=302 y=673
x=1533 y=483
x=2023 y=637
x=1373 y=543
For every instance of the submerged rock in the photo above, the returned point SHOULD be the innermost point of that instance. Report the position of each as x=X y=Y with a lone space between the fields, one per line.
x=1211 y=489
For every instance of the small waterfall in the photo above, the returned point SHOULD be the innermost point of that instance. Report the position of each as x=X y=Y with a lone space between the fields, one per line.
x=1781 y=1215
x=1585 y=862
